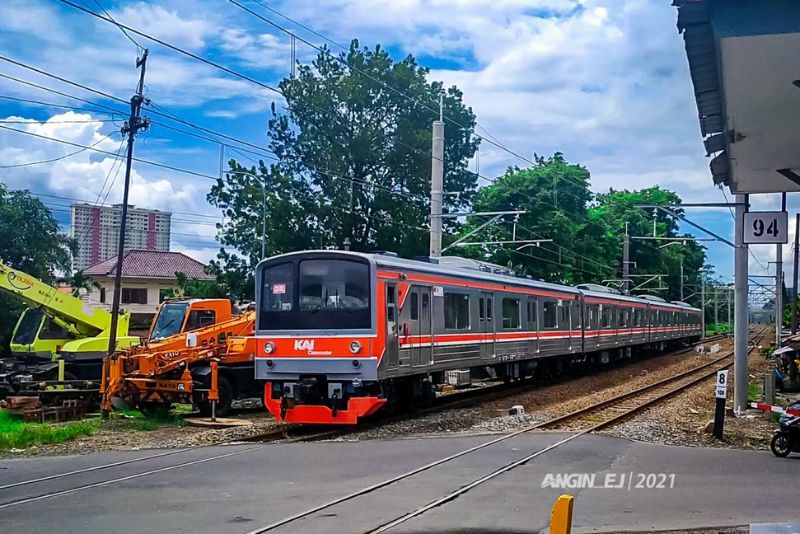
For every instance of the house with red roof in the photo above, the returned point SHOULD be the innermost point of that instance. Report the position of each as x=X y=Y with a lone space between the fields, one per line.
x=148 y=277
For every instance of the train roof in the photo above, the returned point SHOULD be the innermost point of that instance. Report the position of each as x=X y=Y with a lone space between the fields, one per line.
x=481 y=271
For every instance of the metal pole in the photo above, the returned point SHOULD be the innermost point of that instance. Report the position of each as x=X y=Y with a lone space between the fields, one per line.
x=728 y=297
x=716 y=305
x=740 y=310
x=626 y=263
x=779 y=286
x=264 y=220
x=794 y=275
x=681 y=277
x=437 y=184
x=703 y=302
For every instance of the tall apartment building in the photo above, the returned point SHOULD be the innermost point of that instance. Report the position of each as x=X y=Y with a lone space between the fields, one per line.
x=96 y=230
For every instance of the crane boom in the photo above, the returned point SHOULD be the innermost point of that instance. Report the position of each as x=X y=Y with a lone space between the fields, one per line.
x=71 y=313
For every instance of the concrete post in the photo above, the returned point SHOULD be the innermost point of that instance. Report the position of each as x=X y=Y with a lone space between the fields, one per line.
x=626 y=261
x=437 y=184
x=703 y=302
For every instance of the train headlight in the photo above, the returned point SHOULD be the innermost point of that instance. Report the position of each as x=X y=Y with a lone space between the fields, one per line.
x=269 y=347
x=355 y=347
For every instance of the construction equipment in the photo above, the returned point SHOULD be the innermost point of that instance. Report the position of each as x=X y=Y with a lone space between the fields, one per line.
x=55 y=326
x=206 y=365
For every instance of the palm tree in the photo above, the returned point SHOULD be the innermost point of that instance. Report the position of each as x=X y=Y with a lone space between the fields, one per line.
x=80 y=281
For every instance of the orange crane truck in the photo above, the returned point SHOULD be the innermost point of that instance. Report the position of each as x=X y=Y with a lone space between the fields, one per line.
x=199 y=351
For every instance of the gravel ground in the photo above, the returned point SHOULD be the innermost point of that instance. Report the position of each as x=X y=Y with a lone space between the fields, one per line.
x=682 y=419
x=543 y=402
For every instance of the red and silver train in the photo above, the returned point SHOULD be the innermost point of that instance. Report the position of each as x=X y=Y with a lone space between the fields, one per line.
x=341 y=334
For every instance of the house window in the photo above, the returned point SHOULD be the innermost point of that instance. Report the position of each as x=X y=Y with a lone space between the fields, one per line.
x=134 y=295
x=511 y=313
x=103 y=295
x=456 y=311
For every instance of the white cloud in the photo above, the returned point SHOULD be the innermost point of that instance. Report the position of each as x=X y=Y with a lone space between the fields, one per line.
x=165 y=24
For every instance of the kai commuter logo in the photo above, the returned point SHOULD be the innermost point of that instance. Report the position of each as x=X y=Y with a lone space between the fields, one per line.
x=304 y=344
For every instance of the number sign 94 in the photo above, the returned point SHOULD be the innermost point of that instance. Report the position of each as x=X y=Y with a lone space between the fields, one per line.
x=766 y=227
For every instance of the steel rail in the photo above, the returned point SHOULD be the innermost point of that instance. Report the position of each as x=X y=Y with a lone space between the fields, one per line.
x=431 y=465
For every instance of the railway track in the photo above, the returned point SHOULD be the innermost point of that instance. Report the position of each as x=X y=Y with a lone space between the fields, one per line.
x=9 y=496
x=619 y=408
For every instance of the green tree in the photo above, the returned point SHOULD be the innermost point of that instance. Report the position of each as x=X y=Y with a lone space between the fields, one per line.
x=79 y=281
x=616 y=208
x=554 y=194
x=194 y=288
x=30 y=240
x=353 y=160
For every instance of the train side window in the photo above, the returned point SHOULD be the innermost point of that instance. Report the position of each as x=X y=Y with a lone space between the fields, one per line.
x=532 y=313
x=606 y=316
x=511 y=311
x=575 y=315
x=414 y=306
x=390 y=299
x=550 y=313
x=489 y=308
x=623 y=318
x=481 y=309
x=426 y=303
x=456 y=311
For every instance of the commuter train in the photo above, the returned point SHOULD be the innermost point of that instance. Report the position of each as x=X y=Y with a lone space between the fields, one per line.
x=343 y=334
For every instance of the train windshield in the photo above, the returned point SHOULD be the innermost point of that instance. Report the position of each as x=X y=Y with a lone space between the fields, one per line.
x=170 y=320
x=316 y=294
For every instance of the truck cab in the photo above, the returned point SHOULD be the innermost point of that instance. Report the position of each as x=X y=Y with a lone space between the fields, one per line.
x=185 y=315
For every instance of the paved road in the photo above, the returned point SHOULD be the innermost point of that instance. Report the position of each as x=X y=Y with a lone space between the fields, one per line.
x=235 y=489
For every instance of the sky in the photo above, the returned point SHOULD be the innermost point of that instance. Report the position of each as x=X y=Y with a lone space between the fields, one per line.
x=605 y=82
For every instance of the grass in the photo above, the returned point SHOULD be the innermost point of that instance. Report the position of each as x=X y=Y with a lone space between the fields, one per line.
x=17 y=434
x=753 y=392
x=720 y=328
x=145 y=423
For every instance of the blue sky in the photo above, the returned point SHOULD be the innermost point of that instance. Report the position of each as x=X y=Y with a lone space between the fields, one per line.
x=603 y=81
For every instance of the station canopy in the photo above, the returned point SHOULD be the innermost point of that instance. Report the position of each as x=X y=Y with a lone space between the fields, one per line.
x=744 y=59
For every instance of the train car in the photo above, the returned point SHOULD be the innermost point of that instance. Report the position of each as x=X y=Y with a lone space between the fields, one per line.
x=343 y=334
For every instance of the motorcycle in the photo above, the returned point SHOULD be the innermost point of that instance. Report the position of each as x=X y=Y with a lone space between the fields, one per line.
x=786 y=439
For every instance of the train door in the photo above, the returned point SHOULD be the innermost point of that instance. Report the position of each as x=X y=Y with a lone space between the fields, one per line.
x=533 y=325
x=391 y=327
x=420 y=302
x=486 y=320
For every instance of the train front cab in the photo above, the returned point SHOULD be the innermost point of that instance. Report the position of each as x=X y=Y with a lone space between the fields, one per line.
x=319 y=336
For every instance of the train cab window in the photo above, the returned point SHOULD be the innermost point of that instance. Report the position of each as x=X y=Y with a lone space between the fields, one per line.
x=414 y=306
x=550 y=313
x=511 y=311
x=456 y=311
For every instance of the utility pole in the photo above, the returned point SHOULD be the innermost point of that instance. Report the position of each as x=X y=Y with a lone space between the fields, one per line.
x=437 y=184
x=740 y=309
x=779 y=286
x=703 y=302
x=626 y=263
x=132 y=126
x=794 y=275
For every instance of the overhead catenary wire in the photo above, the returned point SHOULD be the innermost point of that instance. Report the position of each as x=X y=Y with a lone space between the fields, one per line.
x=53 y=160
